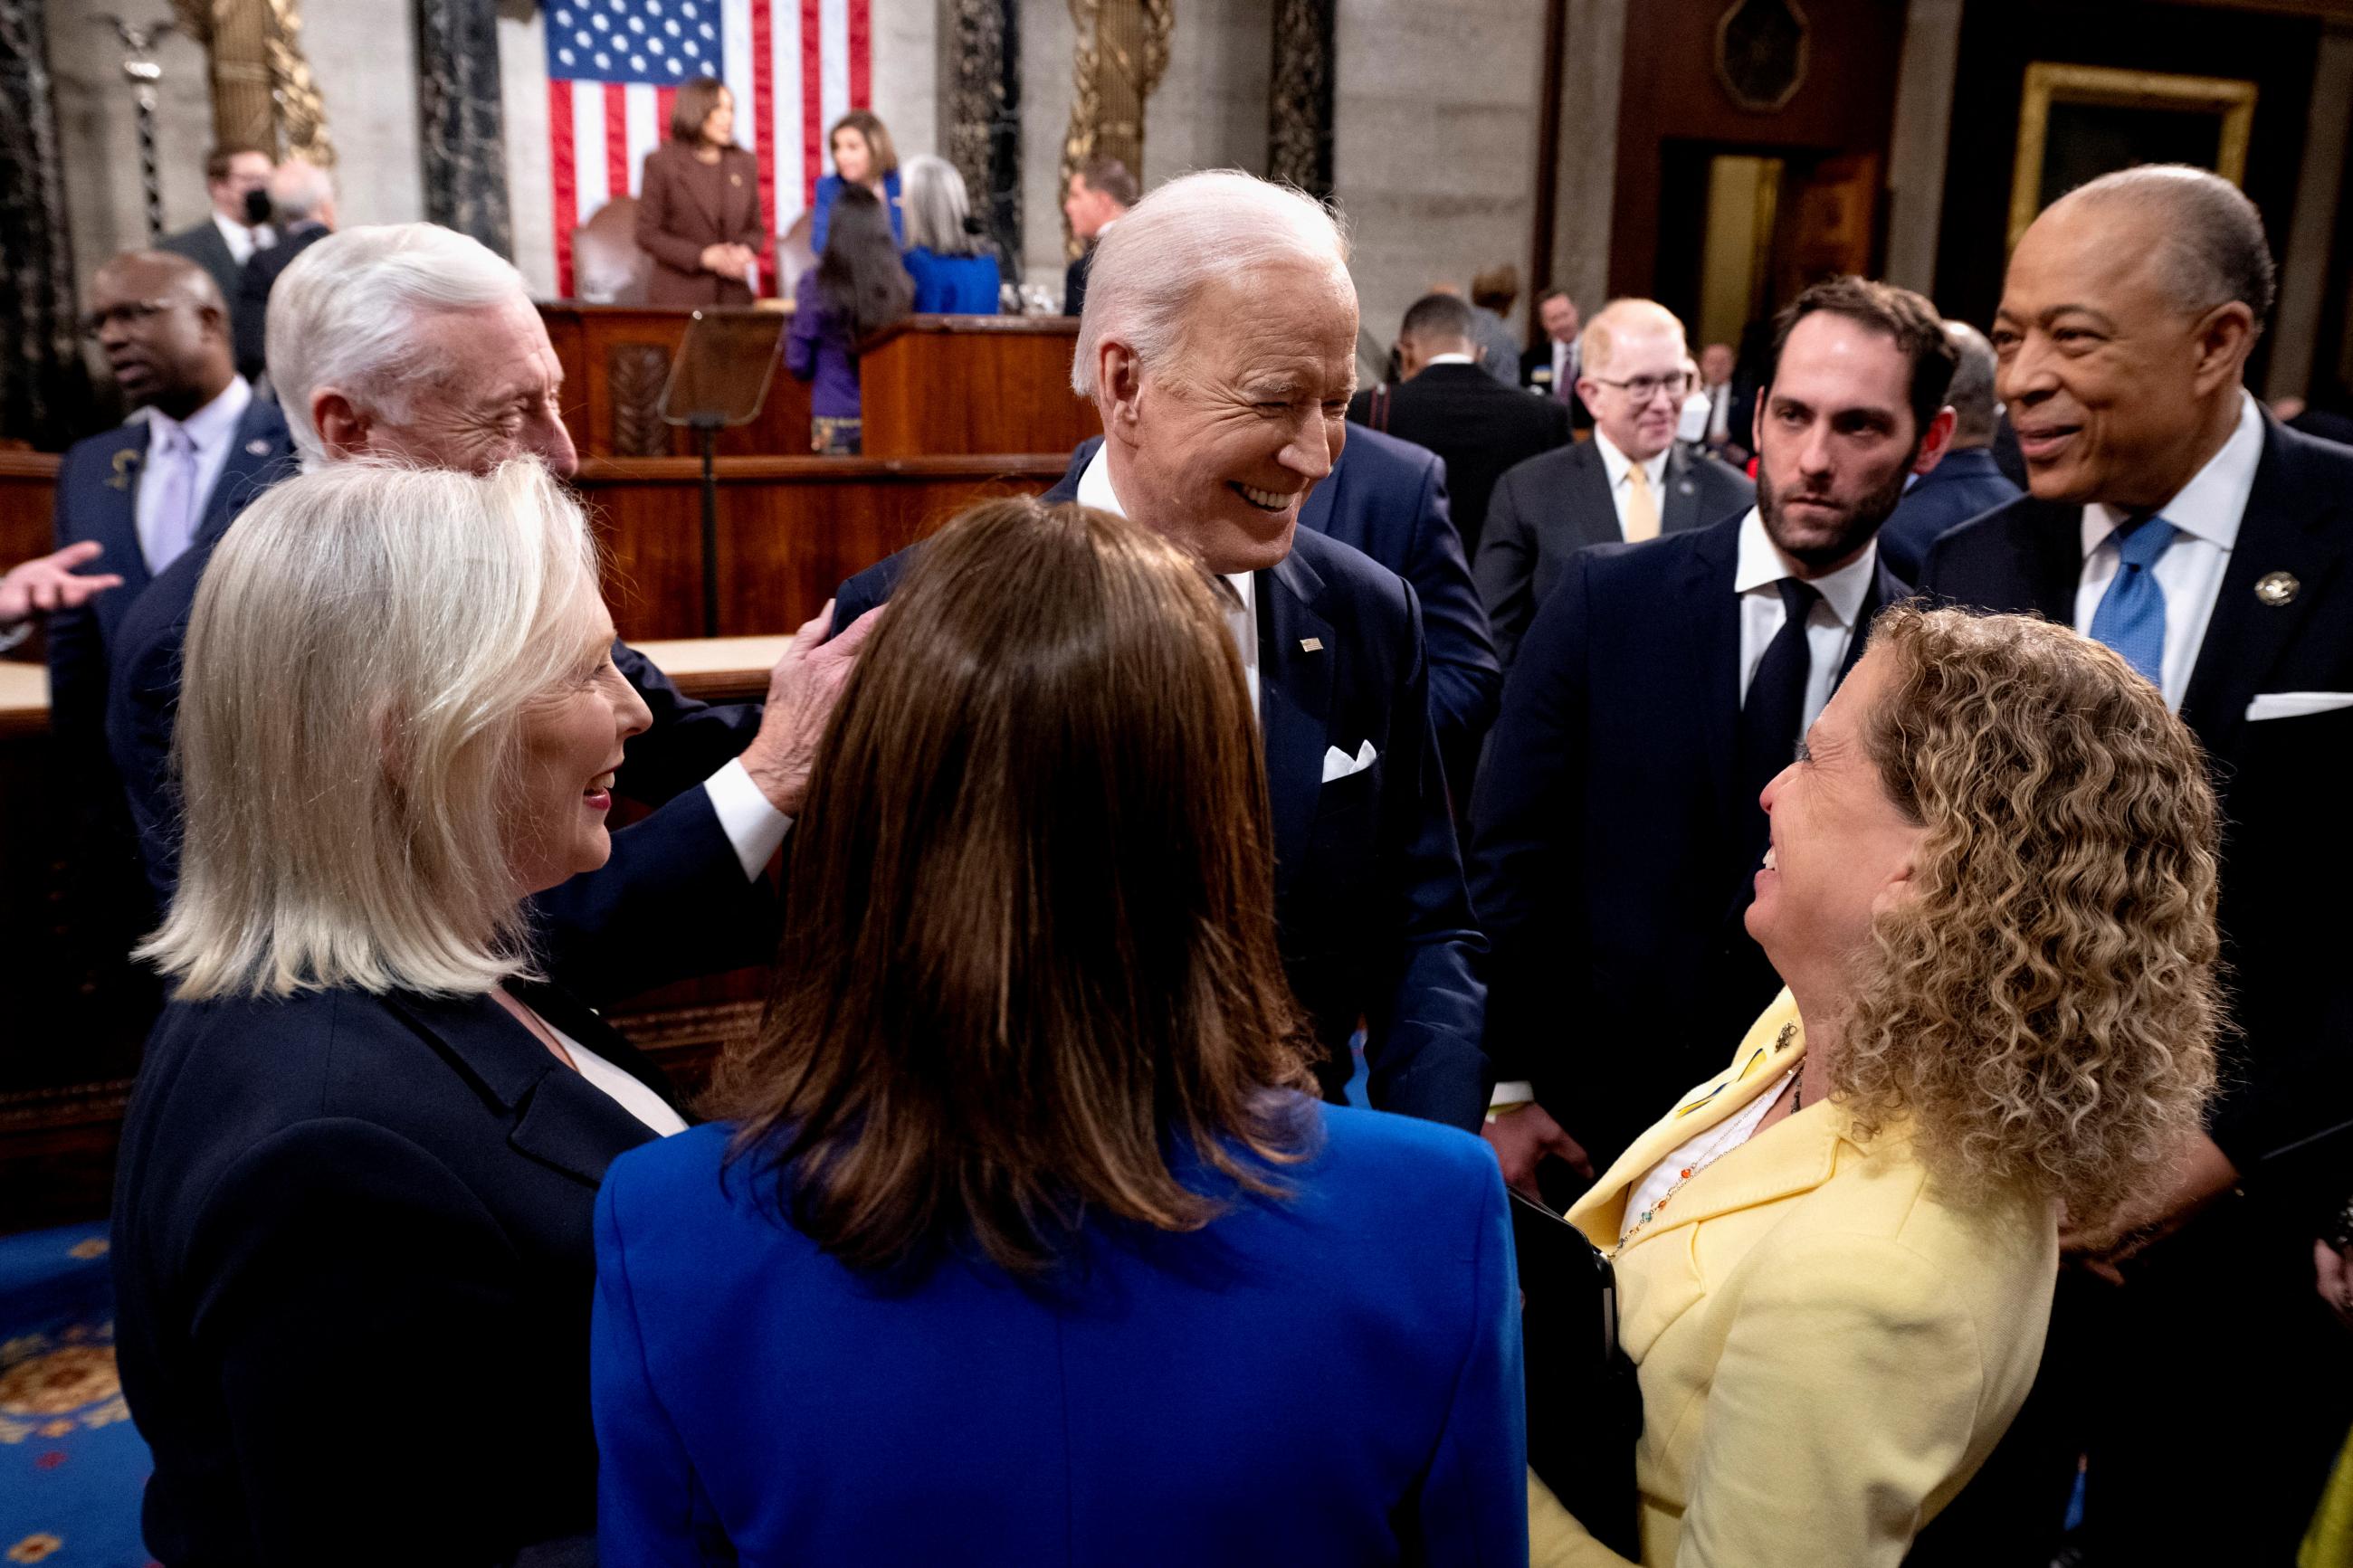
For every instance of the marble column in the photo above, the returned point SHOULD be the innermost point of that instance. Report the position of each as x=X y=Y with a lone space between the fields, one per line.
x=2304 y=260
x=1299 y=96
x=1585 y=186
x=1924 y=126
x=981 y=62
x=462 y=140
x=42 y=384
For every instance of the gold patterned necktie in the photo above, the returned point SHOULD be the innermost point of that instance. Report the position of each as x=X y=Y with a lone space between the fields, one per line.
x=1641 y=506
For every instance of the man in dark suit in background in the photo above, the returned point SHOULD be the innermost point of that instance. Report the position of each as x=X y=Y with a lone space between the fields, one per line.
x=235 y=177
x=1968 y=483
x=1616 y=828
x=1551 y=367
x=468 y=381
x=1633 y=481
x=1374 y=921
x=1446 y=402
x=302 y=200
x=2173 y=520
x=1100 y=195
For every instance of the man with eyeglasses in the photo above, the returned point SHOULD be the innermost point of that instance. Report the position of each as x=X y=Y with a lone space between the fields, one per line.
x=198 y=444
x=1631 y=482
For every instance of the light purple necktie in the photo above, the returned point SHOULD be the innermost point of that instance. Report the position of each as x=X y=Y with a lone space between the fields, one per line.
x=172 y=523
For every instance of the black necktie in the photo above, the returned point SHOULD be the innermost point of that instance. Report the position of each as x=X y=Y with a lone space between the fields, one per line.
x=1775 y=709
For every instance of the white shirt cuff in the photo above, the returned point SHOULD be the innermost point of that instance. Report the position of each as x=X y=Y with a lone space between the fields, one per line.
x=752 y=826
x=1516 y=1092
x=10 y=636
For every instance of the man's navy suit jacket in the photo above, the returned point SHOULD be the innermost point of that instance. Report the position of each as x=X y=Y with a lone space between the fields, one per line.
x=1613 y=846
x=672 y=902
x=1545 y=510
x=1386 y=498
x=1965 y=485
x=97 y=502
x=1374 y=918
x=2283 y=622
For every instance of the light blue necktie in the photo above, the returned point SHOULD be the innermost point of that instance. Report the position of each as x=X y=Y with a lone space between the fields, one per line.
x=2131 y=617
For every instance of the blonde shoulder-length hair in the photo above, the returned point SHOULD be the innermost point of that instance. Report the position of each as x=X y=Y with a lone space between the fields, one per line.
x=362 y=651
x=2043 y=1013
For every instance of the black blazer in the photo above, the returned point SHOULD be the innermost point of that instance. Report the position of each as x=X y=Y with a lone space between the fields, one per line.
x=253 y=286
x=353 y=1265
x=672 y=903
x=1368 y=880
x=1074 y=280
x=1612 y=843
x=1965 y=485
x=2288 y=839
x=1548 y=509
x=1475 y=423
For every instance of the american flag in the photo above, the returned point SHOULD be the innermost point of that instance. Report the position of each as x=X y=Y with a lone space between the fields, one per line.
x=793 y=66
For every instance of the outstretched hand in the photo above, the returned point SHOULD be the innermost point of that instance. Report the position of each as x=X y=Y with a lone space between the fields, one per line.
x=49 y=582
x=802 y=691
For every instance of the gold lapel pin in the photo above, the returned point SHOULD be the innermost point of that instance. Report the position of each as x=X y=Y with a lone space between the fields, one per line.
x=1311 y=645
x=124 y=461
x=2277 y=589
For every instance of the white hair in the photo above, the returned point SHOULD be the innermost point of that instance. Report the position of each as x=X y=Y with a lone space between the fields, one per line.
x=298 y=190
x=1152 y=265
x=936 y=206
x=363 y=650
x=344 y=315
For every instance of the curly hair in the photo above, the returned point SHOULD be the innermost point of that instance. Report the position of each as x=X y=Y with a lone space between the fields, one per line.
x=2043 y=1013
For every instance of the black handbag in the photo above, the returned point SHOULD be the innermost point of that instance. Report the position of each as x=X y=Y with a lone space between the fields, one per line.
x=1585 y=1407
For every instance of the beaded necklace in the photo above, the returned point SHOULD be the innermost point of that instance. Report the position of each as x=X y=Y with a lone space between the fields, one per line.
x=1704 y=1161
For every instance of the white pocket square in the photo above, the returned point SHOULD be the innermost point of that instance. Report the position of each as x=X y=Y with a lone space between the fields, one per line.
x=1339 y=765
x=2291 y=704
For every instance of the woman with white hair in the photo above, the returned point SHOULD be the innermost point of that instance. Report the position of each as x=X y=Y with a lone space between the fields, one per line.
x=955 y=271
x=351 y=1221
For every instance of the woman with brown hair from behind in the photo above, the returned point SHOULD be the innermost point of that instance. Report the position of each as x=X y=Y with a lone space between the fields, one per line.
x=1029 y=1241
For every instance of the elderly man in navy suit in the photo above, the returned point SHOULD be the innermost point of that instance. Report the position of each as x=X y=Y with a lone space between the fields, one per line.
x=2212 y=548
x=416 y=344
x=1218 y=342
x=1617 y=828
x=1969 y=483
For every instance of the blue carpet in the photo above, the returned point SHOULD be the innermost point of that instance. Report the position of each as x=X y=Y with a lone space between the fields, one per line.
x=71 y=1463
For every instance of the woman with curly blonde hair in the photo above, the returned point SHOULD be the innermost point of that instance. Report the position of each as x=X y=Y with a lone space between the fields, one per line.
x=1990 y=892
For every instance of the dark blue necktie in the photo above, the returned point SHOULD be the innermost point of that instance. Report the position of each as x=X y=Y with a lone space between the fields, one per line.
x=2131 y=617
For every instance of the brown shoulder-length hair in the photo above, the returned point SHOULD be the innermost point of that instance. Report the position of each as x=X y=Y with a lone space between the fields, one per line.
x=2042 y=1011
x=878 y=141
x=697 y=96
x=1029 y=971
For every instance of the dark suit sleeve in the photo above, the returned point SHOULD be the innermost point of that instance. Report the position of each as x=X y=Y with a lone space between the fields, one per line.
x=77 y=652
x=1466 y=682
x=657 y=213
x=687 y=741
x=1506 y=568
x=649 y=1508
x=143 y=701
x=251 y=313
x=339 y=1267
x=1523 y=871
x=1422 y=1046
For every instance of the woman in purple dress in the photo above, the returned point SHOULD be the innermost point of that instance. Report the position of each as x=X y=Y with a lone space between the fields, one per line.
x=857 y=288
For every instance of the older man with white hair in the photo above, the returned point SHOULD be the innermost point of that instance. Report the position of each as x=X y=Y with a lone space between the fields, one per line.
x=1218 y=343
x=413 y=343
x=302 y=201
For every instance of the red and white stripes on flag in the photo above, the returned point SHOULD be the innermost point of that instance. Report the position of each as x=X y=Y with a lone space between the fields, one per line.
x=794 y=67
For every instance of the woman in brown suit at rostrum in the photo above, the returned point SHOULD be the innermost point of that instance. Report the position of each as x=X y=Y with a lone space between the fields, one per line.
x=699 y=204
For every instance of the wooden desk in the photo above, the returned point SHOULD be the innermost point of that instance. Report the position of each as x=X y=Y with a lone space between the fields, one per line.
x=973 y=384
x=616 y=359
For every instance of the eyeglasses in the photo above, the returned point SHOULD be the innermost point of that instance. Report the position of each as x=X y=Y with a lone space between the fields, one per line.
x=1643 y=388
x=130 y=313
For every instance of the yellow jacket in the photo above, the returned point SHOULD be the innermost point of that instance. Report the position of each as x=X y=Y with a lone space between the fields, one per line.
x=1826 y=1351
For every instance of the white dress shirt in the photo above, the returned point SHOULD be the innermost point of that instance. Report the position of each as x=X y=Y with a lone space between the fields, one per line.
x=1563 y=367
x=1719 y=411
x=1241 y=616
x=1619 y=464
x=243 y=242
x=1449 y=358
x=211 y=430
x=2205 y=516
x=1829 y=625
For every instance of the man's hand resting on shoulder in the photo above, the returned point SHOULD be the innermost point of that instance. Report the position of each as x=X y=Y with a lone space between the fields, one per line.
x=802 y=691
x=1524 y=1137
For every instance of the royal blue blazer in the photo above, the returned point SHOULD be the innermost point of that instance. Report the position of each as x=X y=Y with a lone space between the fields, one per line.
x=1332 y=1378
